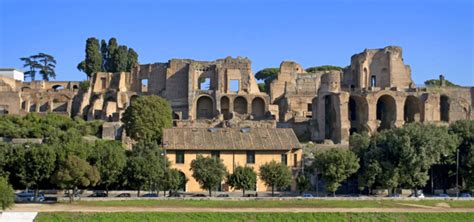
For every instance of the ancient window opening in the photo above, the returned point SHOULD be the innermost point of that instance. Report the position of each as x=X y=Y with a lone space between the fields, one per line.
x=58 y=88
x=204 y=108
x=144 y=84
x=75 y=87
x=25 y=89
x=372 y=81
x=234 y=85
x=44 y=107
x=444 y=108
x=386 y=112
x=3 y=110
x=179 y=156
x=258 y=108
x=331 y=119
x=284 y=159
x=357 y=113
x=225 y=107
x=59 y=106
x=23 y=105
x=103 y=82
x=33 y=107
x=411 y=110
x=240 y=105
x=310 y=107
x=295 y=160
x=352 y=109
x=205 y=83
x=250 y=157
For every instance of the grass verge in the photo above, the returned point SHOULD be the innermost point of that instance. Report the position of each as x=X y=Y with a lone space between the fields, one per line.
x=249 y=217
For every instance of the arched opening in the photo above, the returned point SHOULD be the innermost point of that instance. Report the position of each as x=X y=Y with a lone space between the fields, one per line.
x=175 y=116
x=444 y=108
x=183 y=178
x=240 y=105
x=204 y=108
x=58 y=87
x=225 y=107
x=358 y=114
x=75 y=87
x=412 y=110
x=258 y=108
x=386 y=112
x=44 y=107
x=330 y=120
x=25 y=89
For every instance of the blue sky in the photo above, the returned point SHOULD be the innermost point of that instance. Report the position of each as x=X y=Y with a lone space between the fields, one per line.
x=437 y=36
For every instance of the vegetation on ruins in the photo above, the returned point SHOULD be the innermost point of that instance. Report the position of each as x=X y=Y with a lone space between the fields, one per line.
x=243 y=178
x=42 y=62
x=75 y=172
x=275 y=175
x=335 y=166
x=7 y=194
x=437 y=83
x=145 y=118
x=267 y=75
x=208 y=172
x=104 y=57
x=323 y=68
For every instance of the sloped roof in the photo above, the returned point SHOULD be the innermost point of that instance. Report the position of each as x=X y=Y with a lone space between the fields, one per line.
x=229 y=139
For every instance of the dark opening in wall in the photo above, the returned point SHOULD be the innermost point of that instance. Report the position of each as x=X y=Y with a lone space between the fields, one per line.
x=411 y=109
x=373 y=81
x=225 y=107
x=330 y=119
x=444 y=108
x=386 y=112
x=204 y=108
x=144 y=87
x=258 y=108
x=205 y=83
x=240 y=105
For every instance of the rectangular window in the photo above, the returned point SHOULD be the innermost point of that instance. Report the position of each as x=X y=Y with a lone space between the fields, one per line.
x=144 y=85
x=216 y=154
x=179 y=156
x=205 y=83
x=372 y=81
x=284 y=159
x=295 y=160
x=250 y=157
x=310 y=107
x=234 y=85
x=103 y=82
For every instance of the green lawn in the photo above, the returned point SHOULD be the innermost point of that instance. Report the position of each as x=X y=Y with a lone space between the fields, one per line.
x=250 y=217
x=305 y=203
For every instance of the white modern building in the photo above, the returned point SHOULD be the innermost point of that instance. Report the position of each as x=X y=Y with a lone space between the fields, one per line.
x=12 y=73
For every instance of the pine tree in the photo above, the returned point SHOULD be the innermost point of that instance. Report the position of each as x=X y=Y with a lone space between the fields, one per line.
x=132 y=59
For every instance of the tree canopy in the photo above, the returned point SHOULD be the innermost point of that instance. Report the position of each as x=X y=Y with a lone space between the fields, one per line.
x=7 y=194
x=436 y=82
x=208 y=172
x=323 y=68
x=464 y=130
x=267 y=75
x=110 y=160
x=335 y=166
x=275 y=175
x=243 y=178
x=42 y=62
x=146 y=116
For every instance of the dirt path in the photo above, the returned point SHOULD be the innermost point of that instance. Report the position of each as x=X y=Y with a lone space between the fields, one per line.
x=78 y=208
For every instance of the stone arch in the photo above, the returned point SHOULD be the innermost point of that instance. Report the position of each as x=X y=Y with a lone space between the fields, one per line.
x=412 y=109
x=57 y=87
x=358 y=114
x=330 y=120
x=182 y=187
x=204 y=108
x=258 y=108
x=444 y=107
x=386 y=112
x=240 y=105
x=75 y=87
x=225 y=107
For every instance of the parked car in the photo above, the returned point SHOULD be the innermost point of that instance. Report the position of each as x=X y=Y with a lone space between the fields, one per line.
x=199 y=195
x=464 y=195
x=443 y=195
x=307 y=195
x=28 y=196
x=98 y=194
x=250 y=195
x=150 y=195
x=223 y=195
x=124 y=195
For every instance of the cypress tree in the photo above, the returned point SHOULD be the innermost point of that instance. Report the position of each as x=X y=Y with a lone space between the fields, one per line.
x=120 y=58
x=103 y=52
x=132 y=59
x=93 y=61
x=111 y=62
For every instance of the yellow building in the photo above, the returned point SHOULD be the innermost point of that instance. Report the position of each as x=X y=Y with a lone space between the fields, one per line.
x=236 y=147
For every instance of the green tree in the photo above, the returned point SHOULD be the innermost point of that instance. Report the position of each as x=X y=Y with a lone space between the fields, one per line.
x=323 y=68
x=335 y=166
x=32 y=65
x=208 y=172
x=109 y=157
x=7 y=194
x=132 y=59
x=243 y=178
x=464 y=129
x=46 y=64
x=145 y=118
x=103 y=52
x=111 y=48
x=93 y=61
x=74 y=172
x=135 y=172
x=173 y=180
x=302 y=183
x=267 y=75
x=275 y=175
x=40 y=165
x=120 y=59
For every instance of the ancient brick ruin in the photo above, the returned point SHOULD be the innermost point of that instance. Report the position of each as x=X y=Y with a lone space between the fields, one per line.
x=374 y=92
